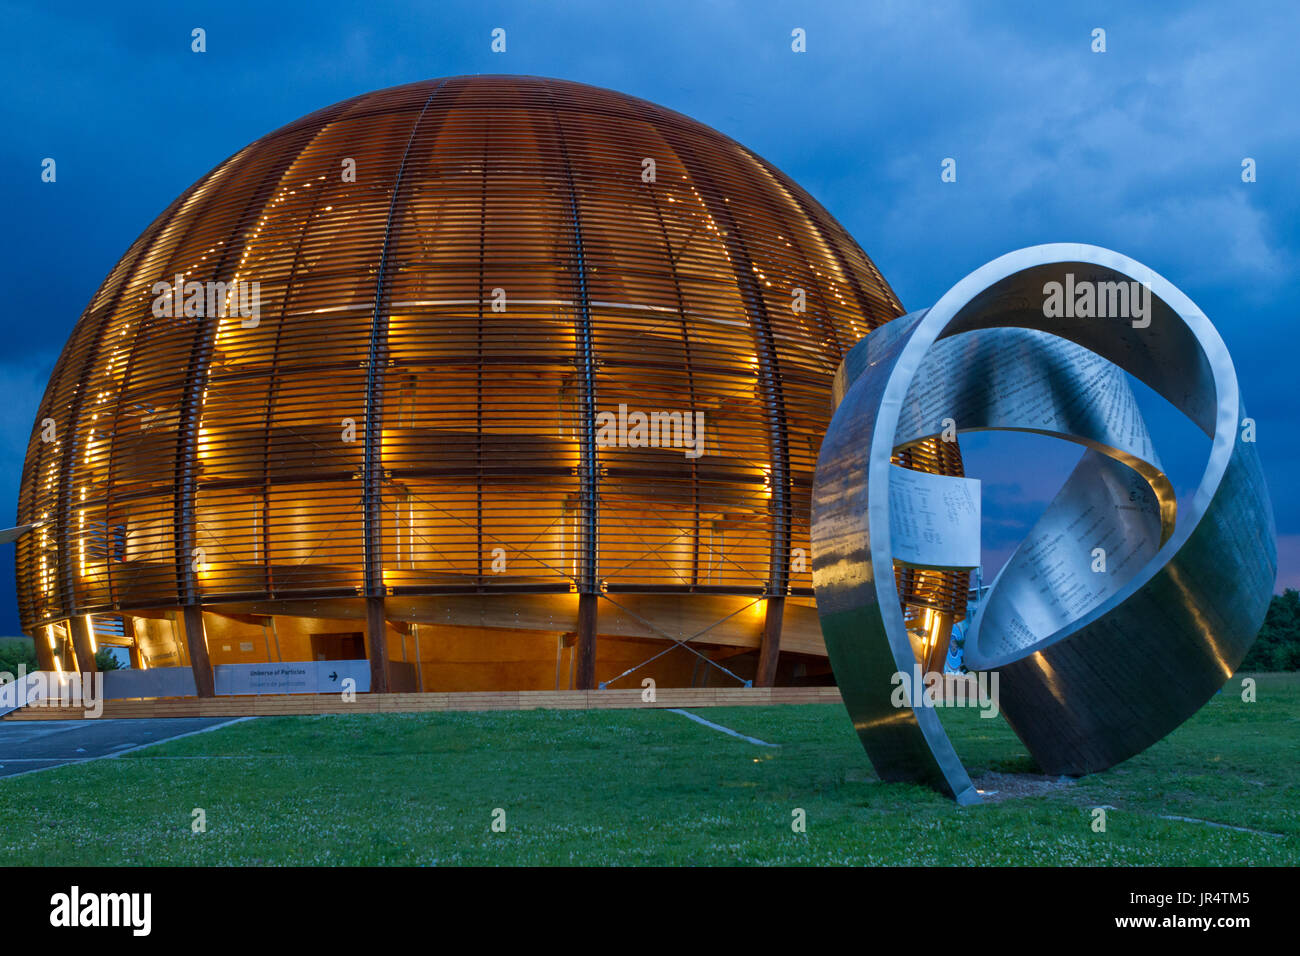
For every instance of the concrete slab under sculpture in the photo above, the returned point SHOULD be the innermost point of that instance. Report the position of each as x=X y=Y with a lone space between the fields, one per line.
x=1093 y=668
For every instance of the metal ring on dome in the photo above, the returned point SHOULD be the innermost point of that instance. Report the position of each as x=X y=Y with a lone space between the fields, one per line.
x=1093 y=667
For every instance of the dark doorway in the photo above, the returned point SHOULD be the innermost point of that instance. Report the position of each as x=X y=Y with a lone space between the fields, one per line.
x=338 y=647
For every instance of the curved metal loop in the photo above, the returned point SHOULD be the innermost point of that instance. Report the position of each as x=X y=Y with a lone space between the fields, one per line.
x=1093 y=669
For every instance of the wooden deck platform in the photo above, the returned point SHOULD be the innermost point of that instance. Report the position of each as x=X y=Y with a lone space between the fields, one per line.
x=289 y=704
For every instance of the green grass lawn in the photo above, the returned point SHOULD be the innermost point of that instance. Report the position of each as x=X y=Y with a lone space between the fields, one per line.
x=651 y=787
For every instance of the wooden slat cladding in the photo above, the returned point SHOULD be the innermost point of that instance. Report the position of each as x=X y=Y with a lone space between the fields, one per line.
x=413 y=408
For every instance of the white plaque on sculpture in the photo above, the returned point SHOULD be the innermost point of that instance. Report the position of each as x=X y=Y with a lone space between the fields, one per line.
x=934 y=520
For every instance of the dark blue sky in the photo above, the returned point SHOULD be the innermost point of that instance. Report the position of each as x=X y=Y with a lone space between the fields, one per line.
x=1138 y=149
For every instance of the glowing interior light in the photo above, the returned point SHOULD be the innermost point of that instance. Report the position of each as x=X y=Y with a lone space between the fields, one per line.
x=644 y=542
x=934 y=631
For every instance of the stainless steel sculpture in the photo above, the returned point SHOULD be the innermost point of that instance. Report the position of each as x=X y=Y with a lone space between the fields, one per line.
x=1093 y=667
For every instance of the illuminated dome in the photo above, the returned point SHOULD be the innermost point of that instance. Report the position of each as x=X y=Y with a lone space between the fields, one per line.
x=459 y=295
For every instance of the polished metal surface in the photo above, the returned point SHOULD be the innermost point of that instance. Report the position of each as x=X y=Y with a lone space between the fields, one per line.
x=1014 y=379
x=1096 y=663
x=1049 y=582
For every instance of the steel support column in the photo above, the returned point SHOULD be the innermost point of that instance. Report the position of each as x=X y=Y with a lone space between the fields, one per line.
x=373 y=484
x=589 y=469
x=773 y=392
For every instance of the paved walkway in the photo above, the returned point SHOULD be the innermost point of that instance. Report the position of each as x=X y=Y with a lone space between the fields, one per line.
x=40 y=744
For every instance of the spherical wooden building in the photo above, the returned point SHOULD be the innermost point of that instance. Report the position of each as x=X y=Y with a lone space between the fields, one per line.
x=497 y=382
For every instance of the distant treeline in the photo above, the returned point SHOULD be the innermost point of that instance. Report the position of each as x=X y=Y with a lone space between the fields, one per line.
x=1278 y=646
x=20 y=650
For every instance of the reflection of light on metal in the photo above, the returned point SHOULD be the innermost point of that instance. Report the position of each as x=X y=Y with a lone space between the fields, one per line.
x=90 y=630
x=1049 y=676
x=1203 y=625
x=58 y=664
x=50 y=634
x=1081 y=699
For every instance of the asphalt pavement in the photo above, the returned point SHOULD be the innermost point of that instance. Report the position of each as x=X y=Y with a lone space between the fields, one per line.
x=27 y=745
